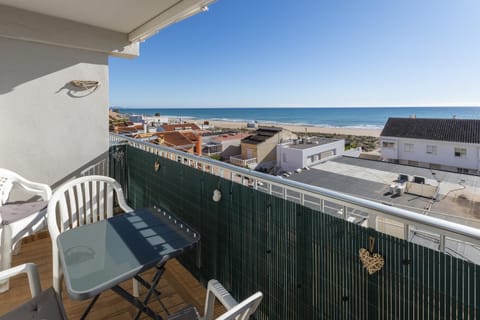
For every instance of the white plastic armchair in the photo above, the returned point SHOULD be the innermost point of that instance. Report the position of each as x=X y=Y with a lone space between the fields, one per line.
x=81 y=201
x=235 y=310
x=19 y=219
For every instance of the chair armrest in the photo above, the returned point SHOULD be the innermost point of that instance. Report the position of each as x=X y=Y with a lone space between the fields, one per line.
x=40 y=189
x=216 y=290
x=33 y=279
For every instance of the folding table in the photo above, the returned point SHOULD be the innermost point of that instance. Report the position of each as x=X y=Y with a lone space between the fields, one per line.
x=99 y=256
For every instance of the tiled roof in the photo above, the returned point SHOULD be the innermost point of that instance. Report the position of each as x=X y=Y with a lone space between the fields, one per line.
x=454 y=130
x=191 y=136
x=174 y=139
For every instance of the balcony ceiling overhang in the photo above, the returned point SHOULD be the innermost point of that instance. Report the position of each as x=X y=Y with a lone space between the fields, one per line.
x=133 y=19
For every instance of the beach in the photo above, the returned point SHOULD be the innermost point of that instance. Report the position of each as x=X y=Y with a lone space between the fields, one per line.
x=300 y=128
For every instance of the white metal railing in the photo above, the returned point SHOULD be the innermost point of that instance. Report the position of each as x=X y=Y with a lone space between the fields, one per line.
x=237 y=160
x=384 y=218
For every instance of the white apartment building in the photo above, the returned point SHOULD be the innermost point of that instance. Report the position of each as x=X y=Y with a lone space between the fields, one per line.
x=307 y=152
x=441 y=144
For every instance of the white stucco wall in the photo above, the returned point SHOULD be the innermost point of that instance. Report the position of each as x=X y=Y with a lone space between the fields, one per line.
x=48 y=130
x=289 y=158
x=444 y=155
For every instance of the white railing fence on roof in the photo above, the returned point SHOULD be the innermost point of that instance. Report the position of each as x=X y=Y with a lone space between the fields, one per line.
x=384 y=218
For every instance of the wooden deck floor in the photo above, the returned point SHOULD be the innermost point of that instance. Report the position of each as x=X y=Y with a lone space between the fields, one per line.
x=178 y=287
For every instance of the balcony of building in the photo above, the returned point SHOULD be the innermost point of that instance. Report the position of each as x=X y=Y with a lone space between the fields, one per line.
x=300 y=245
x=237 y=160
x=178 y=287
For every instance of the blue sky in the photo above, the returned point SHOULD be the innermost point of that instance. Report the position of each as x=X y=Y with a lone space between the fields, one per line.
x=309 y=53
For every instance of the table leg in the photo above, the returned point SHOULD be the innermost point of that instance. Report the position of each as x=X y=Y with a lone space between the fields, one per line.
x=90 y=306
x=152 y=289
x=136 y=302
x=146 y=284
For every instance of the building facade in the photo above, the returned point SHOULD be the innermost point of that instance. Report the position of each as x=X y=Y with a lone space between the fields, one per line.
x=262 y=145
x=307 y=152
x=440 y=144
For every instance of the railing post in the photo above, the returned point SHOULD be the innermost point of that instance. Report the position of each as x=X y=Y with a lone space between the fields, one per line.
x=372 y=221
x=442 y=243
x=406 y=231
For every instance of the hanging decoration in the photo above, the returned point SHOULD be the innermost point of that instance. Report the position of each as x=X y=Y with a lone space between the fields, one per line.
x=371 y=261
x=85 y=84
x=217 y=194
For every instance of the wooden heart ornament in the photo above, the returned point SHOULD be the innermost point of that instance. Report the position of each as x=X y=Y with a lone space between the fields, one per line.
x=373 y=262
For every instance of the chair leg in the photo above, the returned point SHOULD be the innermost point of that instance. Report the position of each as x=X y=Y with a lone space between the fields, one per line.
x=136 y=288
x=56 y=275
x=6 y=254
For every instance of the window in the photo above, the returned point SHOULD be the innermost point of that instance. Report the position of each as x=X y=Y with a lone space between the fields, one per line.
x=389 y=145
x=326 y=154
x=462 y=170
x=431 y=149
x=460 y=152
x=408 y=147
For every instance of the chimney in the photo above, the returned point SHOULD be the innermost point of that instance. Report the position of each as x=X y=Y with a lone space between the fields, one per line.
x=198 y=145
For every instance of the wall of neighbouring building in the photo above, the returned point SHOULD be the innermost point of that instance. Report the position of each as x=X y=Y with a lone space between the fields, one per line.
x=443 y=158
x=291 y=158
x=50 y=130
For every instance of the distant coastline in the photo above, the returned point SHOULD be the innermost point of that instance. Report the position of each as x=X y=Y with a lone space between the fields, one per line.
x=344 y=131
x=327 y=120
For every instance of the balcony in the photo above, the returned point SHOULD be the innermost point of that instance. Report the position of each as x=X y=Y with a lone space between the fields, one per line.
x=244 y=163
x=178 y=287
x=300 y=244
x=296 y=243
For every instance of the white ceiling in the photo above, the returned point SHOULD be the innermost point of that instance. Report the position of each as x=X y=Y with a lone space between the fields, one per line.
x=117 y=15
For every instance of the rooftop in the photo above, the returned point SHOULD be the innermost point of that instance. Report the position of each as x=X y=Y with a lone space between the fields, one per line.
x=229 y=136
x=457 y=201
x=182 y=126
x=310 y=143
x=454 y=130
x=262 y=134
x=174 y=139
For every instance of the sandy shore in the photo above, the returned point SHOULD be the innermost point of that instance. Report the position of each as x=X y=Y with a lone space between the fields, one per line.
x=294 y=128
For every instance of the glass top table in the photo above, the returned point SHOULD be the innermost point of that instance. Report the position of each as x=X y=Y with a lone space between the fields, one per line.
x=99 y=256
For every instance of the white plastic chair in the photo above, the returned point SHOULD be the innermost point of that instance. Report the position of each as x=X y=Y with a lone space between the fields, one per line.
x=81 y=201
x=235 y=310
x=19 y=219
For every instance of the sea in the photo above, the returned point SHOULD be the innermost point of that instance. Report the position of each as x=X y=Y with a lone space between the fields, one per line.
x=357 y=117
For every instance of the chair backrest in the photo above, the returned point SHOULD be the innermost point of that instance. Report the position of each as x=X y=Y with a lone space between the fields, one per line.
x=244 y=309
x=82 y=201
x=7 y=178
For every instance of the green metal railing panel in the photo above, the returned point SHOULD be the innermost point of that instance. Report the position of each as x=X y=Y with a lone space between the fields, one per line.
x=305 y=262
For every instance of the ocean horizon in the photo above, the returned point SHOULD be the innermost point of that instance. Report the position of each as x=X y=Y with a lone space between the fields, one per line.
x=330 y=117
